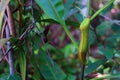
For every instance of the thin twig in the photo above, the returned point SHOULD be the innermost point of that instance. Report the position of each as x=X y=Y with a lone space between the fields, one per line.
x=10 y=30
x=22 y=37
x=9 y=53
x=6 y=53
x=20 y=17
x=42 y=38
x=2 y=34
x=88 y=6
x=10 y=21
x=100 y=10
x=43 y=42
x=82 y=72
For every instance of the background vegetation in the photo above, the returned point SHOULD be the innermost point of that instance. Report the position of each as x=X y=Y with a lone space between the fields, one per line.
x=39 y=40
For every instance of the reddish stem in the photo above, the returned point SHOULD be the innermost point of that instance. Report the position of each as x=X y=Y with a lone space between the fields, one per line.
x=10 y=21
x=2 y=35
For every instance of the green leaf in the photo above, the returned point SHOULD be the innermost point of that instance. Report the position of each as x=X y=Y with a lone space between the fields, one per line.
x=107 y=51
x=71 y=77
x=37 y=75
x=49 y=69
x=23 y=65
x=68 y=22
x=9 y=77
x=101 y=29
x=79 y=17
x=92 y=38
x=53 y=8
x=69 y=49
x=14 y=77
x=3 y=4
x=93 y=66
x=69 y=4
x=115 y=27
x=22 y=62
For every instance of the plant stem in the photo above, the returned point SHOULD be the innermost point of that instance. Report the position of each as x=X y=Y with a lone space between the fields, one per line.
x=62 y=22
x=89 y=8
x=10 y=30
x=83 y=66
x=69 y=34
x=9 y=53
x=82 y=72
x=10 y=21
x=100 y=10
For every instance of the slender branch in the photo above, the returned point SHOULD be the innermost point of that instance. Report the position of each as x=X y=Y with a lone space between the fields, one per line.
x=10 y=21
x=22 y=37
x=30 y=28
x=10 y=30
x=2 y=35
x=88 y=8
x=20 y=14
x=6 y=53
x=82 y=72
x=9 y=53
x=43 y=42
x=100 y=10
x=32 y=11
x=42 y=38
x=26 y=32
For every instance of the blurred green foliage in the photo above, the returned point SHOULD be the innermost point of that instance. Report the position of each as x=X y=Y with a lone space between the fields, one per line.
x=51 y=55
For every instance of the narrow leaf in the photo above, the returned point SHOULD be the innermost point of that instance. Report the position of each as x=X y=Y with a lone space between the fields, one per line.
x=93 y=66
x=49 y=69
x=23 y=65
x=9 y=77
x=53 y=8
x=22 y=62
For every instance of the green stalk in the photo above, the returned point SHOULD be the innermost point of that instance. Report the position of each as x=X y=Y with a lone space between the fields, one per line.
x=62 y=22
x=85 y=32
x=88 y=8
x=82 y=47
x=69 y=34
x=100 y=10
